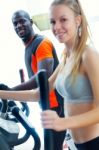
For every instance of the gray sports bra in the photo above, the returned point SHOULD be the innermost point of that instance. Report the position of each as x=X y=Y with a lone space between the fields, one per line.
x=79 y=91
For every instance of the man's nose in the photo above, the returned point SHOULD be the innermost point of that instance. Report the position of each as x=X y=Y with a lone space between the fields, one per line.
x=19 y=24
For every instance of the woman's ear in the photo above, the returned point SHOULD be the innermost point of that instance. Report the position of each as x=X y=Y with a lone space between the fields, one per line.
x=78 y=20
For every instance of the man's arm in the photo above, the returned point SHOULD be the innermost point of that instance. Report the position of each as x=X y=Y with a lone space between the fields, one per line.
x=28 y=85
x=46 y=64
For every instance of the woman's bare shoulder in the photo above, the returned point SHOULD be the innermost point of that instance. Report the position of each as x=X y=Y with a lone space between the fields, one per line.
x=90 y=54
x=90 y=59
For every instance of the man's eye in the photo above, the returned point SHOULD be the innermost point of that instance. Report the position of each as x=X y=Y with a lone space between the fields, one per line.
x=15 y=23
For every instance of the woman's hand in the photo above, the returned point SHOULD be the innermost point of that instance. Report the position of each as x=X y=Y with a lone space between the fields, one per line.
x=51 y=120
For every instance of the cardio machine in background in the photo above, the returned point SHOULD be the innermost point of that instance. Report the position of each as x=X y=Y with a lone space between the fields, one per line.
x=10 y=117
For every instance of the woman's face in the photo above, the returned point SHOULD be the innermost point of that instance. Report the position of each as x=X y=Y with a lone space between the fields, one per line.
x=63 y=23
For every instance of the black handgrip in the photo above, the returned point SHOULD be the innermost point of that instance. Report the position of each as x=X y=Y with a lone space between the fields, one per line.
x=21 y=72
x=44 y=100
x=44 y=89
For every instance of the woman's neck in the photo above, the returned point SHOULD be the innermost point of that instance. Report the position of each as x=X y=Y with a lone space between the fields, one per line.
x=69 y=50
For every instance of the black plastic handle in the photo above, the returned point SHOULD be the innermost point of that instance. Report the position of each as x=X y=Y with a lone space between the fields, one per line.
x=21 y=72
x=44 y=100
x=44 y=89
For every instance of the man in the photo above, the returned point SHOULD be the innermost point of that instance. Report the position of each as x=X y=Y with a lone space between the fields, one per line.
x=39 y=54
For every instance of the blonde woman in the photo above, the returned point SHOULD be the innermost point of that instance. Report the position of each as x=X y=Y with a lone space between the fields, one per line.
x=76 y=78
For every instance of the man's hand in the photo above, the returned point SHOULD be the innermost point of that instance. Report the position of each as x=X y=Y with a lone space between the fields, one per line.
x=4 y=87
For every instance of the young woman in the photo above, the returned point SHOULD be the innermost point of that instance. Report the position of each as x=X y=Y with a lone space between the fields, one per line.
x=79 y=76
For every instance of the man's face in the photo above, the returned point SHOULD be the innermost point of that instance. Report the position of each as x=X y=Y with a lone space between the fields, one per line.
x=22 y=25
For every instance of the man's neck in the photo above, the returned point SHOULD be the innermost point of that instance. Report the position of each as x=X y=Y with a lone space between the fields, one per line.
x=26 y=43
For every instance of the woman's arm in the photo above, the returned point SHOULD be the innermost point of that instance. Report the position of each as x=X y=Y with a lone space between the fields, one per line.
x=27 y=95
x=51 y=120
x=53 y=77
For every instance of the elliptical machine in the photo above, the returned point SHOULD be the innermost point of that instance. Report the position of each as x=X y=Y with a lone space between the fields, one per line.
x=21 y=117
x=10 y=116
x=9 y=129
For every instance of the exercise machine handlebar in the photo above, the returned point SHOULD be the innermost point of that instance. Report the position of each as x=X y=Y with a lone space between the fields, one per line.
x=44 y=100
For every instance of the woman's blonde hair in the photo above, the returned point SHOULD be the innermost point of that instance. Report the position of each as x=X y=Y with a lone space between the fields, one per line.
x=79 y=46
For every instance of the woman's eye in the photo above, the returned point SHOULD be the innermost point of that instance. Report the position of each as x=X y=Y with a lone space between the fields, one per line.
x=63 y=20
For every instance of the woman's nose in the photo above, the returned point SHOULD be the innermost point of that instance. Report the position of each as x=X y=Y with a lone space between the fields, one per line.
x=57 y=26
